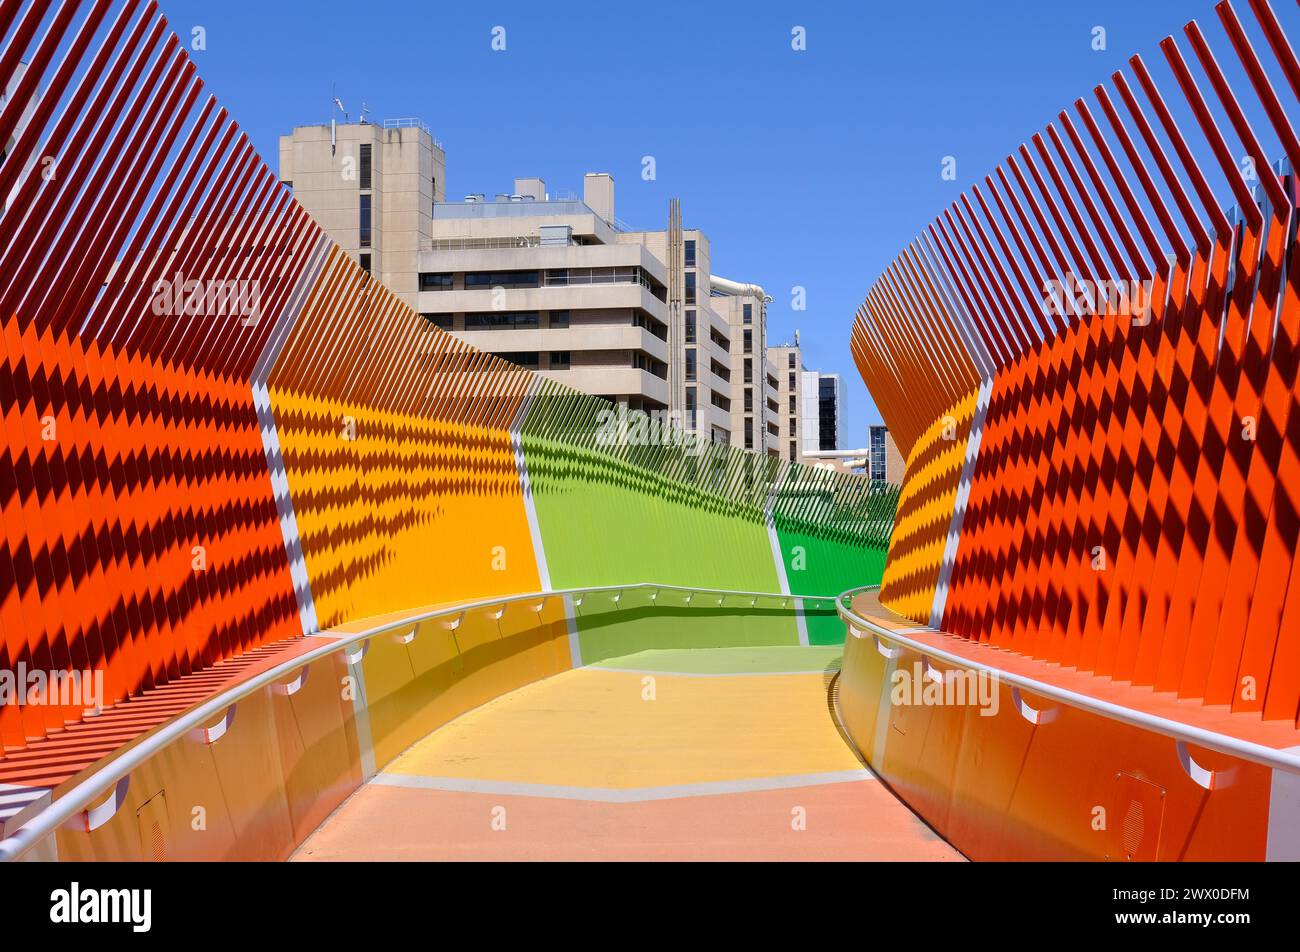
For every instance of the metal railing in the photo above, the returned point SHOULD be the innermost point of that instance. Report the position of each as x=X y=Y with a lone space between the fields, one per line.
x=480 y=244
x=487 y=209
x=410 y=122
x=582 y=277
x=1181 y=733
x=111 y=773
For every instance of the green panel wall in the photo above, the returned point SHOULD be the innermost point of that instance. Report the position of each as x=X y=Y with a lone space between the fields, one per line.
x=833 y=534
x=619 y=498
x=637 y=623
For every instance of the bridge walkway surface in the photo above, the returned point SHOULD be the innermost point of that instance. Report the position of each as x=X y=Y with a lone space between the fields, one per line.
x=704 y=754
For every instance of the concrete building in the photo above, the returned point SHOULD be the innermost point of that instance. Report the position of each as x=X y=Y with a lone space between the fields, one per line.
x=555 y=283
x=753 y=378
x=787 y=360
x=704 y=383
x=811 y=409
x=548 y=285
x=885 y=462
x=372 y=188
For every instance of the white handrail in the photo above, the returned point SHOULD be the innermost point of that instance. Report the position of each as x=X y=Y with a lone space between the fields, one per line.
x=107 y=775
x=1184 y=733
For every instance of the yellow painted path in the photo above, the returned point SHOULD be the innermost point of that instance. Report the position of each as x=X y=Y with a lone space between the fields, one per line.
x=598 y=764
x=616 y=729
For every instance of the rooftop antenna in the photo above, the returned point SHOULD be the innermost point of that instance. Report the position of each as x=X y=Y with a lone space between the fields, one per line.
x=338 y=104
x=364 y=110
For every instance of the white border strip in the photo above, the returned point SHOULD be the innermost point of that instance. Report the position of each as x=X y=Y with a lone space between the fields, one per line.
x=624 y=795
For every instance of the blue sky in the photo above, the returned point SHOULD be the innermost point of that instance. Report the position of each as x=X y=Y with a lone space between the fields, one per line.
x=809 y=168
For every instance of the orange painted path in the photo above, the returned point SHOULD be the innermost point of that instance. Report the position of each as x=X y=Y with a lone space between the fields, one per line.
x=602 y=764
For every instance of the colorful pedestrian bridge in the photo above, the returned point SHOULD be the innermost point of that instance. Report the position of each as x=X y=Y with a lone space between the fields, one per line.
x=348 y=589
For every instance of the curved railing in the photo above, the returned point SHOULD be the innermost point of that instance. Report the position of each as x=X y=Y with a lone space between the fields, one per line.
x=1182 y=734
x=210 y=718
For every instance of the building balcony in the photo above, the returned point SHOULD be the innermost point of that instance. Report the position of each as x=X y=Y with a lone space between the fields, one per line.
x=570 y=297
x=715 y=416
x=575 y=339
x=710 y=348
x=484 y=217
x=612 y=381
x=522 y=252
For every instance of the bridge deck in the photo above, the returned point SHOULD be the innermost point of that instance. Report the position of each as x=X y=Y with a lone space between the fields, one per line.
x=707 y=754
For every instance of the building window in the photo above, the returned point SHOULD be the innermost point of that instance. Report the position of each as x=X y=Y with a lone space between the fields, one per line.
x=749 y=370
x=650 y=365
x=565 y=277
x=749 y=313
x=794 y=450
x=364 y=164
x=690 y=252
x=647 y=323
x=749 y=400
x=690 y=327
x=435 y=282
x=792 y=410
x=826 y=413
x=690 y=363
x=363 y=261
x=749 y=433
x=792 y=386
x=559 y=318
x=559 y=360
x=439 y=320
x=523 y=358
x=496 y=319
x=365 y=222
x=749 y=341
x=690 y=287
x=690 y=408
x=477 y=280
x=877 y=450
x=790 y=360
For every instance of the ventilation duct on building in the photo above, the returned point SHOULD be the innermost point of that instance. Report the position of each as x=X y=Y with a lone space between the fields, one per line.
x=736 y=289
